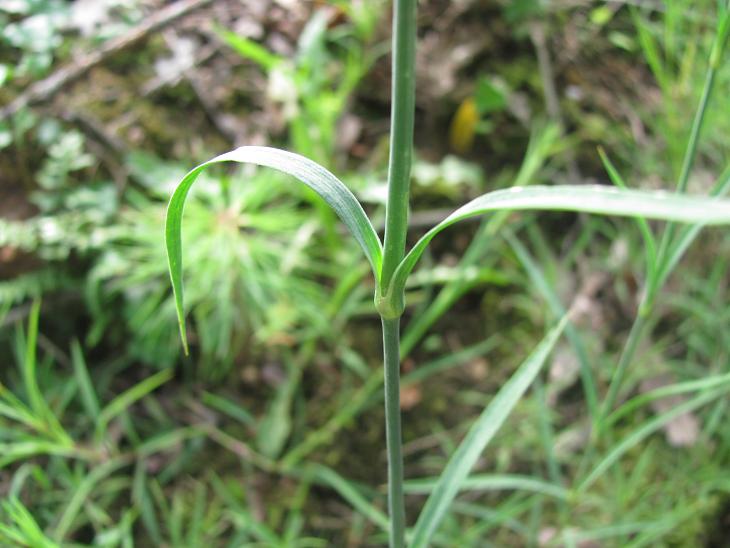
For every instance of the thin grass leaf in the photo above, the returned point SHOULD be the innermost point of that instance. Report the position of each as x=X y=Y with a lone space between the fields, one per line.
x=23 y=531
x=601 y=200
x=143 y=501
x=449 y=361
x=324 y=183
x=688 y=235
x=666 y=391
x=644 y=228
x=122 y=402
x=35 y=397
x=167 y=440
x=491 y=482
x=86 y=387
x=249 y=49
x=478 y=437
x=228 y=407
x=46 y=420
x=646 y=430
x=345 y=414
x=348 y=492
x=13 y=451
x=543 y=143
x=82 y=492
x=650 y=49
x=369 y=394
x=14 y=409
x=558 y=310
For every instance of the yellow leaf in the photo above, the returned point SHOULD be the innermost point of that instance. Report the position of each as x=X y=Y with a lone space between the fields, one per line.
x=463 y=126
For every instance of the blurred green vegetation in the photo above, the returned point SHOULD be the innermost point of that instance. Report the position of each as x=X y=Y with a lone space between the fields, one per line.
x=270 y=433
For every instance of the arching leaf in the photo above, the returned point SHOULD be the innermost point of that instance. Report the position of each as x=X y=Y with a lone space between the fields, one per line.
x=602 y=200
x=324 y=183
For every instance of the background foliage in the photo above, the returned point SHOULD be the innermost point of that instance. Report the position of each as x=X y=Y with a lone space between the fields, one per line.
x=270 y=432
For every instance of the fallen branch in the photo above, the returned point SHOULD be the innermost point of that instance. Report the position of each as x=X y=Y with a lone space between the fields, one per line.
x=45 y=89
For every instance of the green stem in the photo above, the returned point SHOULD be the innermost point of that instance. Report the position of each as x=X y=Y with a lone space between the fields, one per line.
x=663 y=256
x=389 y=306
x=683 y=181
x=401 y=136
x=396 y=507
x=632 y=343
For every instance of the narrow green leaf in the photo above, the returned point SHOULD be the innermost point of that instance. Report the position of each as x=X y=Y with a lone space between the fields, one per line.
x=143 y=500
x=350 y=493
x=558 y=310
x=650 y=49
x=478 y=437
x=601 y=200
x=82 y=492
x=646 y=430
x=41 y=411
x=14 y=451
x=22 y=529
x=88 y=394
x=543 y=143
x=492 y=482
x=666 y=391
x=228 y=407
x=12 y=408
x=646 y=233
x=249 y=49
x=120 y=404
x=319 y=179
x=35 y=397
x=688 y=235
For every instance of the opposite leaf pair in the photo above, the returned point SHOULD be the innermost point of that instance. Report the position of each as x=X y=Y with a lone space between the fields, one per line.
x=596 y=199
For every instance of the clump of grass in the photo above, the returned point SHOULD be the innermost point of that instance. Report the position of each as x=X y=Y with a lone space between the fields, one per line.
x=392 y=266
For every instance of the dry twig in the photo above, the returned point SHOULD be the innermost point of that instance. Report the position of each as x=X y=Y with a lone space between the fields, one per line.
x=45 y=89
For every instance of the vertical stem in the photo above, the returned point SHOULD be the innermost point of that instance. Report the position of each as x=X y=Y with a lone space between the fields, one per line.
x=635 y=335
x=663 y=256
x=687 y=163
x=690 y=154
x=401 y=135
x=396 y=507
x=396 y=225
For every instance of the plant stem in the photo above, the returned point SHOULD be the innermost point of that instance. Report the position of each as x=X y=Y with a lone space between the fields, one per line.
x=401 y=135
x=663 y=256
x=396 y=226
x=635 y=335
x=687 y=163
x=396 y=507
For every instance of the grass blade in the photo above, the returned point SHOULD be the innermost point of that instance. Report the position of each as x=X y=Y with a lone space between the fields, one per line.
x=249 y=49
x=601 y=200
x=349 y=492
x=35 y=397
x=644 y=228
x=122 y=402
x=324 y=183
x=228 y=407
x=558 y=310
x=81 y=371
x=646 y=430
x=665 y=391
x=22 y=529
x=492 y=482
x=15 y=451
x=82 y=492
x=688 y=235
x=543 y=143
x=478 y=437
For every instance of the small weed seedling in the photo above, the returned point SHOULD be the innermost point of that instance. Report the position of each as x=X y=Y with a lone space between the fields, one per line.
x=392 y=266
